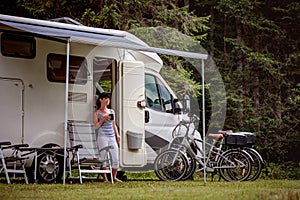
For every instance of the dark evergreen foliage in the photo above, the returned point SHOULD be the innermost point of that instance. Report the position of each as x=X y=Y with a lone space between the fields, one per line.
x=255 y=44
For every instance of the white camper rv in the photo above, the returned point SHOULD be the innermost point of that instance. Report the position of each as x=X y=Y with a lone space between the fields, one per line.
x=35 y=57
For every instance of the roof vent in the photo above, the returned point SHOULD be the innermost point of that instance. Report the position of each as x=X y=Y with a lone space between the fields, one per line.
x=66 y=20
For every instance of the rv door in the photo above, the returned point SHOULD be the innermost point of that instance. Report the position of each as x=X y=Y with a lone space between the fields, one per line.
x=11 y=109
x=132 y=95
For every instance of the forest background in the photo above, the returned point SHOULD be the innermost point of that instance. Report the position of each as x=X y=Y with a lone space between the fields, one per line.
x=255 y=45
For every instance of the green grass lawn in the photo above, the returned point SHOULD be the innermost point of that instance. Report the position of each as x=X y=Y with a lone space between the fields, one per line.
x=153 y=189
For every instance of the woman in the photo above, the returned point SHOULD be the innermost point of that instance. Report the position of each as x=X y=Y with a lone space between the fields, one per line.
x=107 y=131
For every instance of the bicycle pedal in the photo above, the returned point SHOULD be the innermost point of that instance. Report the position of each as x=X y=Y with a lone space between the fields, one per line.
x=199 y=170
x=209 y=169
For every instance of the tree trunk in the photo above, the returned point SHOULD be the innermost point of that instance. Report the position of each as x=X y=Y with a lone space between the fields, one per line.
x=240 y=70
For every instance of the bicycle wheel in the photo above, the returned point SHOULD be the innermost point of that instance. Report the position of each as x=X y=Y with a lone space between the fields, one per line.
x=179 y=130
x=192 y=165
x=234 y=165
x=257 y=164
x=180 y=143
x=170 y=165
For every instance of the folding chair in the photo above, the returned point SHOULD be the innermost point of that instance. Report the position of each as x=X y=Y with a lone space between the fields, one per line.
x=12 y=162
x=86 y=155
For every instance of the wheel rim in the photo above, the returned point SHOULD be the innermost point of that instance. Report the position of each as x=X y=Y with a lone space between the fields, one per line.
x=48 y=167
x=235 y=167
x=169 y=166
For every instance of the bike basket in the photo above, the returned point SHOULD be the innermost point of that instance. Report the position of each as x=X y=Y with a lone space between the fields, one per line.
x=250 y=137
x=235 y=139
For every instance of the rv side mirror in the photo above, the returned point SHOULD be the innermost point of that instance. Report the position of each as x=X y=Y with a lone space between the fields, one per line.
x=186 y=103
x=176 y=107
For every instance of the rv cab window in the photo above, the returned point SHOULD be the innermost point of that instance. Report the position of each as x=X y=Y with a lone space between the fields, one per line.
x=19 y=46
x=157 y=95
x=56 y=69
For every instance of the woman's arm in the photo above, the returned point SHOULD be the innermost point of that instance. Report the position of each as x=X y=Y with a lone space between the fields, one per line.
x=116 y=129
x=99 y=123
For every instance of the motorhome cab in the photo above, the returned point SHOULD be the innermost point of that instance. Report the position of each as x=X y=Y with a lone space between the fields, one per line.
x=33 y=61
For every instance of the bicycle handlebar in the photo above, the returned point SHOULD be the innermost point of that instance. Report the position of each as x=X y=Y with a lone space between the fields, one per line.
x=192 y=119
x=195 y=118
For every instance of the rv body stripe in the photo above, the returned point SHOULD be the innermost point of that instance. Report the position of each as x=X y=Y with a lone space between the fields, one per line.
x=155 y=142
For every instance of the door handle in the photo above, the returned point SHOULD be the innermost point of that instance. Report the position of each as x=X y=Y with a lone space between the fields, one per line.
x=147 y=116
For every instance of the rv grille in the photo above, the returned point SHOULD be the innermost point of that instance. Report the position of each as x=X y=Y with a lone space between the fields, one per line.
x=77 y=97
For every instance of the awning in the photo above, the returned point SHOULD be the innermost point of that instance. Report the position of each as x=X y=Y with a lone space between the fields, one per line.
x=89 y=35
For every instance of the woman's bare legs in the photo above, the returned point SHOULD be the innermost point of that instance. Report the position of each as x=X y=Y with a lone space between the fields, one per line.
x=114 y=174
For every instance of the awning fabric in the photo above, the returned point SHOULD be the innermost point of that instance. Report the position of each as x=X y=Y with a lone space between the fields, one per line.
x=88 y=35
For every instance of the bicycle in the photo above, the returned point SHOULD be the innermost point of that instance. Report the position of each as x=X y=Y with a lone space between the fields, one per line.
x=247 y=145
x=245 y=142
x=232 y=164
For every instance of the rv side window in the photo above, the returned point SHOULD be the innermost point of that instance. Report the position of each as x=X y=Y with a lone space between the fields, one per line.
x=158 y=97
x=56 y=69
x=13 y=45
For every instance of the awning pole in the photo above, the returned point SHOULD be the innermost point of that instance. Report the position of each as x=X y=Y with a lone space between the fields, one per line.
x=203 y=120
x=66 y=111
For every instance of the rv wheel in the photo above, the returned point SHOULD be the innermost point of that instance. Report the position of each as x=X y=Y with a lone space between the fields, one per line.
x=49 y=167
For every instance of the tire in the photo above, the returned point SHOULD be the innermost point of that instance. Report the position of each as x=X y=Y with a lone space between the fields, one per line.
x=170 y=165
x=49 y=167
x=257 y=164
x=191 y=162
x=192 y=165
x=234 y=165
x=30 y=173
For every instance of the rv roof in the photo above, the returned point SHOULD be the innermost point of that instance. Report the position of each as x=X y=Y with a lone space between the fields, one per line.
x=66 y=20
x=89 y=35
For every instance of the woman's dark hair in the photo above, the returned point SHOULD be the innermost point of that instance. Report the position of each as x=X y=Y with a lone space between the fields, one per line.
x=101 y=96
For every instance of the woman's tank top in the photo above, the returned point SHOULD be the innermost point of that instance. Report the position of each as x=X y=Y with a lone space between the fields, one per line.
x=107 y=127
